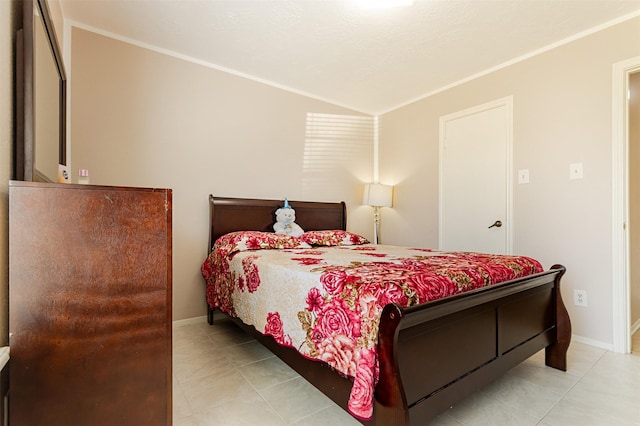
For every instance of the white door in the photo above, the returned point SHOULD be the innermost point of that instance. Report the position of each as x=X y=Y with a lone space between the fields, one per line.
x=475 y=178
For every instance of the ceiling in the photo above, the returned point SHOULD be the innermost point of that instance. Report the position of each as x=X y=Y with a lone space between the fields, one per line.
x=371 y=60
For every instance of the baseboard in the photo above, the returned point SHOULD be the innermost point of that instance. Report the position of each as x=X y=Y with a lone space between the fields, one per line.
x=187 y=321
x=592 y=342
x=4 y=356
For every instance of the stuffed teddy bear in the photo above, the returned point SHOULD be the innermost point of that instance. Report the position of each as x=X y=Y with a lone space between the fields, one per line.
x=285 y=221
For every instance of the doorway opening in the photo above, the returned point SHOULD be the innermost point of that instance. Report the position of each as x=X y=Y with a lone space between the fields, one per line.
x=621 y=279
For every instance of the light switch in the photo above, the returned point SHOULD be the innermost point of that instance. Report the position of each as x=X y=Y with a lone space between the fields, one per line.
x=523 y=176
x=575 y=171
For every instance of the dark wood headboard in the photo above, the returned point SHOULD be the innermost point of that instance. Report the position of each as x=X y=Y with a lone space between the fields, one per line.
x=245 y=214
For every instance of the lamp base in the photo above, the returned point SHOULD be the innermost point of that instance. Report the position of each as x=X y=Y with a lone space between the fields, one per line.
x=376 y=224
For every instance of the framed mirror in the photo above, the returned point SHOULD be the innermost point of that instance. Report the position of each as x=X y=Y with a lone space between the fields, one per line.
x=40 y=97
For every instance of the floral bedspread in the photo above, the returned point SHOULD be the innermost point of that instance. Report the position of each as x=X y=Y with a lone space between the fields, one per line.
x=326 y=302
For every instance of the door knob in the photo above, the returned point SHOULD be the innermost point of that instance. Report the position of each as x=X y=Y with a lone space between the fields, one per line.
x=497 y=224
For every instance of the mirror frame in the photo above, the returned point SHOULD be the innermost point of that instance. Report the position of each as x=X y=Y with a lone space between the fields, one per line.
x=25 y=92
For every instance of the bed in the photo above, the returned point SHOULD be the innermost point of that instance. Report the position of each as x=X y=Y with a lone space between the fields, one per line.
x=429 y=355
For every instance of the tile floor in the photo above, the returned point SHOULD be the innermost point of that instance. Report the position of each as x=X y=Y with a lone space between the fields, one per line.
x=223 y=377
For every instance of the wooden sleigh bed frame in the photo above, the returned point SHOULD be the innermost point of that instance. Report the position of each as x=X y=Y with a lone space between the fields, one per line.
x=477 y=336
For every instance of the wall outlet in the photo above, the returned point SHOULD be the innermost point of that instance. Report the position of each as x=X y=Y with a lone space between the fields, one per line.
x=576 y=171
x=580 y=298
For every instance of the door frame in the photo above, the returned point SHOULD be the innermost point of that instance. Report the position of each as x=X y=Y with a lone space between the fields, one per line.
x=621 y=286
x=508 y=103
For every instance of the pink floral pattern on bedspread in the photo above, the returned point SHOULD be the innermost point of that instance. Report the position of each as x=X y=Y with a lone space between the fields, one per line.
x=326 y=302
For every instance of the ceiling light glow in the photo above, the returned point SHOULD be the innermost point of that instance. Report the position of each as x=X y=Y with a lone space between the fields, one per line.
x=383 y=4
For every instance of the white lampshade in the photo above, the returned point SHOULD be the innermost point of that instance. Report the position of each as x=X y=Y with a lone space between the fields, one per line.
x=376 y=194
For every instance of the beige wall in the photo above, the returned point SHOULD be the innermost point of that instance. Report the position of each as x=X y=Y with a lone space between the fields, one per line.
x=634 y=195
x=142 y=118
x=562 y=114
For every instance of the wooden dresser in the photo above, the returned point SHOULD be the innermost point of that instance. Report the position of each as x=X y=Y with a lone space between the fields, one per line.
x=89 y=305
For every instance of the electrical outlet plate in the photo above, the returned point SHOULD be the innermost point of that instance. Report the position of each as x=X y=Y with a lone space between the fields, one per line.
x=575 y=171
x=523 y=176
x=580 y=298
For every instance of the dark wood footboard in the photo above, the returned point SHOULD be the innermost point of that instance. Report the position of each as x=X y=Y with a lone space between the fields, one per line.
x=433 y=355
